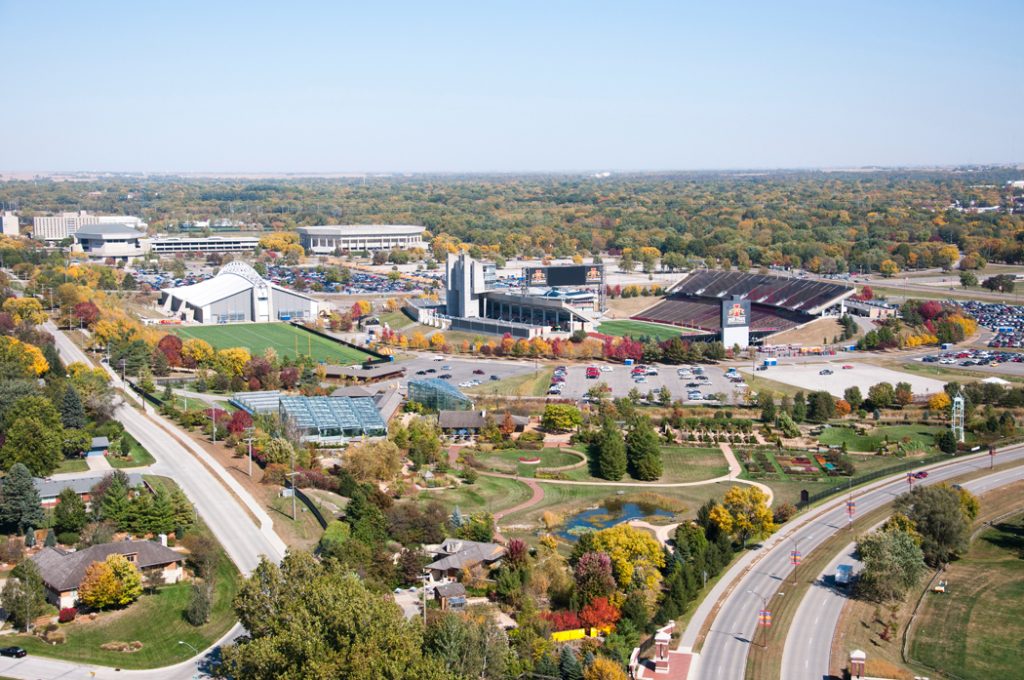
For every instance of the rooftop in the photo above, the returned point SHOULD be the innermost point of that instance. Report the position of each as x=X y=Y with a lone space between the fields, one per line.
x=361 y=229
x=335 y=416
x=62 y=570
x=51 y=488
x=109 y=229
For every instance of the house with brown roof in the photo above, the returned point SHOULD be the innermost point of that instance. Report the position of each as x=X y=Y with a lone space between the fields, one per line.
x=63 y=571
x=455 y=554
x=471 y=422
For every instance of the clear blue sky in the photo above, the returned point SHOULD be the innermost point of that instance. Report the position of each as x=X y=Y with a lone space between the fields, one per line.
x=507 y=86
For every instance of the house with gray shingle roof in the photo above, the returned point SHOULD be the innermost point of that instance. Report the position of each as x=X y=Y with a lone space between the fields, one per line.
x=455 y=554
x=63 y=571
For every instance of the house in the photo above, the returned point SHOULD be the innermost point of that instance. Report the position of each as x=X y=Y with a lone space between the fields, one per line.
x=471 y=422
x=63 y=571
x=98 y=447
x=454 y=555
x=450 y=596
x=49 y=489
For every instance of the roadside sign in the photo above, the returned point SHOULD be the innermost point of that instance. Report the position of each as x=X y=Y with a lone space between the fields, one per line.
x=795 y=557
x=764 y=618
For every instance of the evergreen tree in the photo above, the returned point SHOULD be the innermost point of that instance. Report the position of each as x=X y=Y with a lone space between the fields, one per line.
x=115 y=505
x=643 y=451
x=766 y=402
x=546 y=667
x=19 y=503
x=799 y=407
x=634 y=610
x=568 y=665
x=72 y=413
x=457 y=519
x=611 y=452
x=184 y=511
x=51 y=539
x=162 y=515
x=30 y=537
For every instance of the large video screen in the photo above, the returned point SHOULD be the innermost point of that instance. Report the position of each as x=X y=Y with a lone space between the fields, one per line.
x=569 y=275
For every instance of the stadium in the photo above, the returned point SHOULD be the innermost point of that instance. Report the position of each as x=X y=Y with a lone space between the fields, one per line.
x=741 y=308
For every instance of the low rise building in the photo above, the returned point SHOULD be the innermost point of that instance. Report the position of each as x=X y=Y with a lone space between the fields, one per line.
x=59 y=227
x=454 y=555
x=329 y=239
x=9 y=225
x=110 y=241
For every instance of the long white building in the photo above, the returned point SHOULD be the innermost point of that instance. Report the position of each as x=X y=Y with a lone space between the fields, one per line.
x=59 y=227
x=329 y=239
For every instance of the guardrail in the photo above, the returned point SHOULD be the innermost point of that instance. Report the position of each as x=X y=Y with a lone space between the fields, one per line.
x=308 y=502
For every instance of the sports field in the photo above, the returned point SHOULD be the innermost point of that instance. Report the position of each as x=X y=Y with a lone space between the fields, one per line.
x=636 y=329
x=286 y=340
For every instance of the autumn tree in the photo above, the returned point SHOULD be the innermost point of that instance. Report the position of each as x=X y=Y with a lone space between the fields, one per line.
x=744 y=513
x=373 y=461
x=115 y=582
x=635 y=555
x=560 y=418
x=599 y=613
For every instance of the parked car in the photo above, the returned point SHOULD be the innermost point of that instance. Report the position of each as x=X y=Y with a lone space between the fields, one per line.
x=825 y=371
x=493 y=377
x=477 y=371
x=14 y=652
x=445 y=376
x=847 y=367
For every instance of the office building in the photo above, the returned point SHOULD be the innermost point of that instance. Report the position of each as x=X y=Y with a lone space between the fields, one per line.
x=329 y=239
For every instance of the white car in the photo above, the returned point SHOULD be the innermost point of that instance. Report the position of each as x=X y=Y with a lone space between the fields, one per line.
x=606 y=369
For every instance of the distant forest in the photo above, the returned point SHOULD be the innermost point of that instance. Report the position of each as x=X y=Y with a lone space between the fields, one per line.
x=826 y=222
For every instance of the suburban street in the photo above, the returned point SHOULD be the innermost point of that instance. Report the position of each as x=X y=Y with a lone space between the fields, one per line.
x=808 y=645
x=724 y=652
x=221 y=509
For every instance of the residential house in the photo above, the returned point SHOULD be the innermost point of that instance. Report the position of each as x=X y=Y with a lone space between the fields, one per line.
x=49 y=489
x=471 y=422
x=455 y=555
x=63 y=571
x=99 y=447
x=450 y=596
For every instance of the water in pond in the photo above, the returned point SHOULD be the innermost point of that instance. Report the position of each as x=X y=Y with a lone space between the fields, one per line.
x=611 y=513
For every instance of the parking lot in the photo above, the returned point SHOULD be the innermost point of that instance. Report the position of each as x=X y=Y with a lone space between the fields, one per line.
x=461 y=370
x=620 y=380
x=808 y=377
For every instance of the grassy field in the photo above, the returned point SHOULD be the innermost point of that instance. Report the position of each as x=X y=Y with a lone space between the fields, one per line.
x=686 y=464
x=523 y=385
x=138 y=457
x=488 y=494
x=285 y=339
x=72 y=465
x=636 y=329
x=508 y=460
x=975 y=630
x=924 y=435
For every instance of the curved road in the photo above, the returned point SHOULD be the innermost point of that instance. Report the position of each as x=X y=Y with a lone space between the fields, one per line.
x=808 y=646
x=224 y=505
x=761 y=573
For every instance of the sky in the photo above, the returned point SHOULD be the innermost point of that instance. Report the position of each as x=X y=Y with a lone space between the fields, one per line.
x=503 y=86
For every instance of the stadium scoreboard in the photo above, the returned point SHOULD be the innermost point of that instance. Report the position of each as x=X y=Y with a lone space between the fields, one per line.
x=567 y=275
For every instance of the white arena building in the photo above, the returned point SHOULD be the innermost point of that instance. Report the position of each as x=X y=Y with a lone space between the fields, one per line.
x=329 y=239
x=237 y=293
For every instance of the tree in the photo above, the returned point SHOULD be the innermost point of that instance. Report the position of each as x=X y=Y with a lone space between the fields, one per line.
x=610 y=451
x=560 y=418
x=635 y=555
x=968 y=279
x=469 y=645
x=604 y=669
x=593 y=576
x=20 y=359
x=359 y=635
x=111 y=502
x=946 y=441
x=820 y=407
x=72 y=413
x=373 y=461
x=881 y=395
x=747 y=507
x=903 y=395
x=888 y=268
x=599 y=613
x=69 y=515
x=27 y=310
x=799 y=408
x=643 y=451
x=938 y=516
x=939 y=401
x=24 y=595
x=568 y=665
x=196 y=352
x=893 y=564
x=199 y=604
x=766 y=402
x=115 y=582
x=19 y=503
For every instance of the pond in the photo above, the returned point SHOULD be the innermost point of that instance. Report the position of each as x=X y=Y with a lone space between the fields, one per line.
x=609 y=514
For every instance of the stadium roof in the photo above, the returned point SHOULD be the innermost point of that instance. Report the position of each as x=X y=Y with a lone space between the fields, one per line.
x=109 y=230
x=235 y=277
x=361 y=229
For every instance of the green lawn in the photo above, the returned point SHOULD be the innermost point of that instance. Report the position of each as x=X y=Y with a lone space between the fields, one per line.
x=139 y=457
x=395 y=320
x=924 y=435
x=488 y=494
x=636 y=329
x=687 y=464
x=974 y=631
x=72 y=465
x=157 y=621
x=533 y=384
x=286 y=340
x=508 y=460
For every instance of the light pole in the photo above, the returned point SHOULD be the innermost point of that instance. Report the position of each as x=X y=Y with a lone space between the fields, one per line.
x=122 y=371
x=249 y=439
x=213 y=422
x=192 y=647
x=764 y=617
x=291 y=475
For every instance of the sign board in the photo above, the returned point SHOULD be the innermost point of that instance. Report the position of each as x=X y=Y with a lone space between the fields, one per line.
x=565 y=275
x=735 y=313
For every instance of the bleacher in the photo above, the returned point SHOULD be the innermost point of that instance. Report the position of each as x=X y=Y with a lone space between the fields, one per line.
x=776 y=303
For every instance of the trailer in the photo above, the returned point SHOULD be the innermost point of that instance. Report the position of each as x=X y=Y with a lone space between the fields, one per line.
x=844 y=574
x=772 y=361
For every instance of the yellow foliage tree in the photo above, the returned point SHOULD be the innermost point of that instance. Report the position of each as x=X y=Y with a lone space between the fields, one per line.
x=25 y=310
x=939 y=402
x=232 y=360
x=604 y=668
x=199 y=351
x=634 y=554
x=888 y=268
x=114 y=582
x=20 y=359
x=437 y=340
x=751 y=516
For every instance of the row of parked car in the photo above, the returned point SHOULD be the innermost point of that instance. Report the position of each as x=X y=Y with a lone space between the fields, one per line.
x=974 y=357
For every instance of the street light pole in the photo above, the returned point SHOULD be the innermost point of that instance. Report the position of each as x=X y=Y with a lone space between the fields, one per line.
x=249 y=440
x=192 y=647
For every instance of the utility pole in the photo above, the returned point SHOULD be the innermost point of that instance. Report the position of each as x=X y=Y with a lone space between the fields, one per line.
x=291 y=477
x=213 y=423
x=249 y=440
x=122 y=371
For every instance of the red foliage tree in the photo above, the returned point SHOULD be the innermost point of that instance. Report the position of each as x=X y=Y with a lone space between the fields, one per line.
x=599 y=613
x=240 y=420
x=289 y=377
x=931 y=309
x=516 y=552
x=86 y=313
x=170 y=345
x=564 y=620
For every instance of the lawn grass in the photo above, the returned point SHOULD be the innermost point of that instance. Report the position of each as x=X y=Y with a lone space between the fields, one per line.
x=533 y=384
x=974 y=631
x=507 y=460
x=637 y=329
x=487 y=494
x=285 y=339
x=72 y=465
x=156 y=620
x=138 y=457
x=395 y=320
x=688 y=464
x=758 y=384
x=923 y=435
x=952 y=374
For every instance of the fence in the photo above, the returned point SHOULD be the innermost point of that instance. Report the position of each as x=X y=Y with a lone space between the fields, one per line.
x=378 y=357
x=308 y=502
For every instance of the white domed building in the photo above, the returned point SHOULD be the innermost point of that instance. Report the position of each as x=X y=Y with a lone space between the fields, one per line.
x=236 y=294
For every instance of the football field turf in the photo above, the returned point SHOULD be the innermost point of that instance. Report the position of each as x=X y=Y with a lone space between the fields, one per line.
x=284 y=338
x=636 y=329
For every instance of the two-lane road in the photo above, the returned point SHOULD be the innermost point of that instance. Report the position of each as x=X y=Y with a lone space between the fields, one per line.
x=808 y=645
x=724 y=652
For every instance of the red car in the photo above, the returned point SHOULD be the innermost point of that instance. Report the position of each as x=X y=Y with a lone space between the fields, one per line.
x=593 y=372
x=920 y=475
x=847 y=367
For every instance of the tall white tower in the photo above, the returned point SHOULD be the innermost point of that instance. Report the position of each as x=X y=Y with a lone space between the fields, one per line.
x=958 y=417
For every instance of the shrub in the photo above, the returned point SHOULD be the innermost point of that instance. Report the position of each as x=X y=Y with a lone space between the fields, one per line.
x=783 y=513
x=198 y=611
x=68 y=538
x=67 y=615
x=275 y=474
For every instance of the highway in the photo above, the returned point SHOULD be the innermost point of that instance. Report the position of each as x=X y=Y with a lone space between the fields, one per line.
x=227 y=513
x=724 y=652
x=806 y=655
